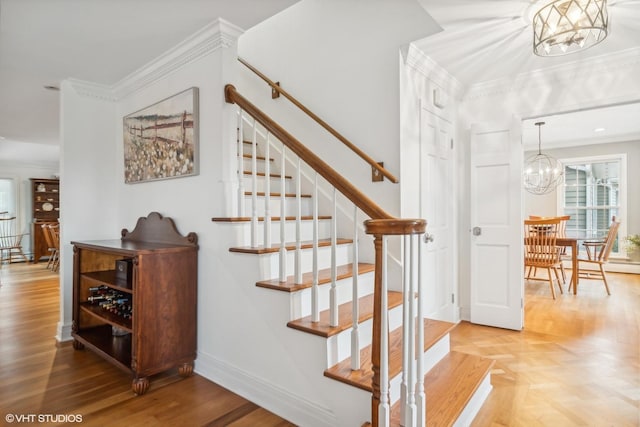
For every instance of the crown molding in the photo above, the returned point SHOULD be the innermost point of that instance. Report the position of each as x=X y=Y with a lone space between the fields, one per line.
x=615 y=139
x=91 y=89
x=219 y=34
x=564 y=73
x=422 y=63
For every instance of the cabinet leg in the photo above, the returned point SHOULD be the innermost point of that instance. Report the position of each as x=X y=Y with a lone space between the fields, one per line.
x=140 y=385
x=186 y=369
x=77 y=345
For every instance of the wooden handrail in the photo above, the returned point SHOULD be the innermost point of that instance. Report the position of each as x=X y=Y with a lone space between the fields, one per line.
x=380 y=225
x=276 y=87
x=327 y=172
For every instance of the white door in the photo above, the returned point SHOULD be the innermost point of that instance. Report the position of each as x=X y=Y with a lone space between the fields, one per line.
x=497 y=283
x=436 y=206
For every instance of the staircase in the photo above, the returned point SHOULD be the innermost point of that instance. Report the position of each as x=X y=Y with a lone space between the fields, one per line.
x=319 y=275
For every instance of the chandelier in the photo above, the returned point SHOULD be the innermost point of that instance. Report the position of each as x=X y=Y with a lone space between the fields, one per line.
x=542 y=173
x=567 y=26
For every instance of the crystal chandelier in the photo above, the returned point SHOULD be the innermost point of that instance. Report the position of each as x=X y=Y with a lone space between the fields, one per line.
x=567 y=26
x=542 y=173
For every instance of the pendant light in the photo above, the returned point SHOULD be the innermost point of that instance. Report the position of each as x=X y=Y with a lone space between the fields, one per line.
x=542 y=173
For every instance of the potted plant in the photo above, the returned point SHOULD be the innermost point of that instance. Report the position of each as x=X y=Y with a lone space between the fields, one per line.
x=632 y=246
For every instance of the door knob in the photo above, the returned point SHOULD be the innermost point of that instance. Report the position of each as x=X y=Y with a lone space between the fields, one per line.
x=477 y=231
x=428 y=237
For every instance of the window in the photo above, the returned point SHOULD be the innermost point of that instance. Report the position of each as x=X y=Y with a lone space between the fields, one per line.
x=7 y=196
x=593 y=192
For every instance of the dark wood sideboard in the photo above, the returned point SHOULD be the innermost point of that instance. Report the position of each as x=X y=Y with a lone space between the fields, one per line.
x=156 y=329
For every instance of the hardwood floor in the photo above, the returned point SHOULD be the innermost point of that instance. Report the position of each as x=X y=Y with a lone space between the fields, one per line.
x=40 y=378
x=576 y=363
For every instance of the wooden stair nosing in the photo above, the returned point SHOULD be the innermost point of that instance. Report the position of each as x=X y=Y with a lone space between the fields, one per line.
x=434 y=330
x=249 y=156
x=271 y=175
x=323 y=328
x=273 y=218
x=449 y=386
x=290 y=246
x=445 y=402
x=324 y=277
x=261 y=194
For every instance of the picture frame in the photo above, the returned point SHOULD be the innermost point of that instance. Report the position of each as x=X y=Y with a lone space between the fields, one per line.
x=161 y=141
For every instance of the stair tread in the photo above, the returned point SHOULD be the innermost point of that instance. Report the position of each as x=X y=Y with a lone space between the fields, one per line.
x=261 y=218
x=449 y=386
x=272 y=175
x=249 y=156
x=324 y=329
x=324 y=277
x=261 y=194
x=434 y=330
x=288 y=245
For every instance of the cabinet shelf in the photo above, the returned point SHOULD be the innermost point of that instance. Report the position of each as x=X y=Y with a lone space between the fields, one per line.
x=41 y=216
x=107 y=277
x=116 y=349
x=111 y=318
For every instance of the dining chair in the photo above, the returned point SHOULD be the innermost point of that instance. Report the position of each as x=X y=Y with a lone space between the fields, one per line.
x=562 y=232
x=540 y=250
x=598 y=255
x=54 y=230
x=46 y=233
x=10 y=239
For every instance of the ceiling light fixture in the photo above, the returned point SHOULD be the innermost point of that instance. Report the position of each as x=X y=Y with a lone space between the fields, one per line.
x=542 y=173
x=566 y=26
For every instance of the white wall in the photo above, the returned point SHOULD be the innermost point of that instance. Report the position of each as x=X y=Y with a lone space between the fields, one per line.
x=339 y=59
x=589 y=84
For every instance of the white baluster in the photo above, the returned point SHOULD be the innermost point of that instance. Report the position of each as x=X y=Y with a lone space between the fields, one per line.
x=410 y=409
x=406 y=301
x=315 y=309
x=283 y=248
x=267 y=194
x=355 y=313
x=383 y=407
x=240 y=165
x=421 y=403
x=333 y=292
x=298 y=254
x=254 y=187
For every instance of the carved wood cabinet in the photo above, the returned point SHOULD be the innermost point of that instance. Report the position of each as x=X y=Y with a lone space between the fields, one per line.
x=45 y=202
x=143 y=320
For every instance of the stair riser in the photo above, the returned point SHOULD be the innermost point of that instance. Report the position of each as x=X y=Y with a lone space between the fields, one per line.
x=301 y=300
x=274 y=182
x=339 y=346
x=269 y=263
x=260 y=165
x=306 y=231
x=274 y=206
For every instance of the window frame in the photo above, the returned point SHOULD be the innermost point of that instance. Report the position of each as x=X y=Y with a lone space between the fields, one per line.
x=622 y=203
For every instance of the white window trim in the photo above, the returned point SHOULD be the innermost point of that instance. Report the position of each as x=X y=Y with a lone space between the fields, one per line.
x=622 y=217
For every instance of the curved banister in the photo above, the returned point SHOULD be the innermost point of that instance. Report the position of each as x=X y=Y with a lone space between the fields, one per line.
x=332 y=131
x=327 y=172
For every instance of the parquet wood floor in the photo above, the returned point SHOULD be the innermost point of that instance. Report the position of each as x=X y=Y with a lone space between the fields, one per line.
x=577 y=363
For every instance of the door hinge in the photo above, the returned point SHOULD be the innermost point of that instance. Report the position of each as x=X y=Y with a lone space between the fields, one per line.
x=521 y=303
x=452 y=143
x=453 y=298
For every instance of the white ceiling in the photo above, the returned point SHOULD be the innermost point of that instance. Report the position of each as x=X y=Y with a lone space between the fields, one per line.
x=43 y=42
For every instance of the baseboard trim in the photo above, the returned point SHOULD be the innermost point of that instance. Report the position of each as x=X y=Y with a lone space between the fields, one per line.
x=271 y=397
x=63 y=332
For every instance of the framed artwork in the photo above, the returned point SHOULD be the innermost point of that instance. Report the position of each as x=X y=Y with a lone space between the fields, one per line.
x=161 y=141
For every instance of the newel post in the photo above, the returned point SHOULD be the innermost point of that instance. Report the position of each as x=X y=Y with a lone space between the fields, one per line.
x=380 y=229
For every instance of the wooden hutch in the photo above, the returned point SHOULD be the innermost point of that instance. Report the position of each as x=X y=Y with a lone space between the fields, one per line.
x=45 y=202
